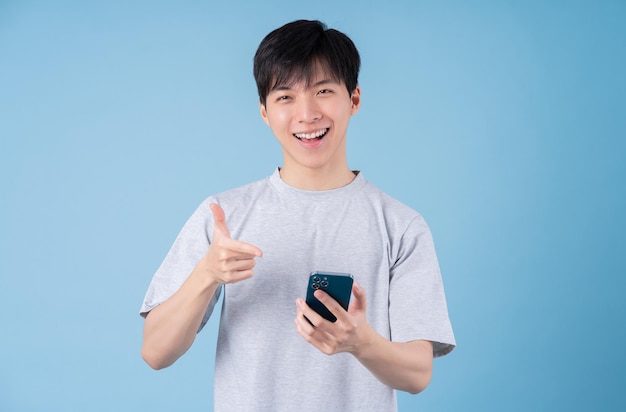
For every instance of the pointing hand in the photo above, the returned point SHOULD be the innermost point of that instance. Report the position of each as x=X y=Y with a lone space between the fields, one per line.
x=228 y=260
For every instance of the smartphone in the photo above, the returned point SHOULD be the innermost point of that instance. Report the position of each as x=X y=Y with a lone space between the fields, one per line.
x=337 y=285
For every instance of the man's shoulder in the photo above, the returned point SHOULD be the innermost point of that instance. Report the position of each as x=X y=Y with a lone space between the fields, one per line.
x=398 y=217
x=387 y=202
x=244 y=190
x=241 y=196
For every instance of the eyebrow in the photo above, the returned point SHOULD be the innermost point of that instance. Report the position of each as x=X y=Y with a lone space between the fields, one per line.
x=316 y=84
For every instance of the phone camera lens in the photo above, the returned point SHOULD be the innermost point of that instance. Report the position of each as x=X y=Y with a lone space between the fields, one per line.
x=316 y=279
x=324 y=284
x=315 y=286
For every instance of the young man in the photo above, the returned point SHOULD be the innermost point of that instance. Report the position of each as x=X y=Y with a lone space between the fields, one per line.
x=257 y=244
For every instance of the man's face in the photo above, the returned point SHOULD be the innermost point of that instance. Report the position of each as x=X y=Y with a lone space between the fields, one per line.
x=311 y=122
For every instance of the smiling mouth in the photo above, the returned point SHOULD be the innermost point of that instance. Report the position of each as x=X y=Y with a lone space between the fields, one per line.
x=310 y=136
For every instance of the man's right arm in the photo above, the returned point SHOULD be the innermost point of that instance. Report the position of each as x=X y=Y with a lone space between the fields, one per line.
x=171 y=327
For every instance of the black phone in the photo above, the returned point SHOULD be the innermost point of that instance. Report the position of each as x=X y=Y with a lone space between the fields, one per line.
x=337 y=285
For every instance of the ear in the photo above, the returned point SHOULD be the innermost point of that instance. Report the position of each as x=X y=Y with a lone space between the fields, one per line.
x=355 y=97
x=264 y=113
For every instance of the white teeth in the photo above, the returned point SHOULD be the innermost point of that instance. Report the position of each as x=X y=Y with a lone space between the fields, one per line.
x=315 y=135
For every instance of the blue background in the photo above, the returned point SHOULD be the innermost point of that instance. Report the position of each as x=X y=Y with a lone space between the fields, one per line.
x=502 y=122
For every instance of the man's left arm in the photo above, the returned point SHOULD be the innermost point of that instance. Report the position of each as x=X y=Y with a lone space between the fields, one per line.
x=403 y=366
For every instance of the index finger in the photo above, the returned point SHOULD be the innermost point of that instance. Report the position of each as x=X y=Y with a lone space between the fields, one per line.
x=244 y=249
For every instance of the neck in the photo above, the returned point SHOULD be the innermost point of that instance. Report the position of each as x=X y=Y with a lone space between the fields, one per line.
x=317 y=179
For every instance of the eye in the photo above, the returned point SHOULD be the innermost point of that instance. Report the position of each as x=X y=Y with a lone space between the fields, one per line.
x=282 y=98
x=325 y=91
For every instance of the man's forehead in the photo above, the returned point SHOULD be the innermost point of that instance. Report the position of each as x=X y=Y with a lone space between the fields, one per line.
x=306 y=75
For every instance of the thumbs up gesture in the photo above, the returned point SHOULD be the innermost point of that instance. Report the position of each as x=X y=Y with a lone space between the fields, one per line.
x=228 y=260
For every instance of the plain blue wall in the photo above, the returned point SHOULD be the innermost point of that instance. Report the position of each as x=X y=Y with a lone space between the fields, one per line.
x=503 y=123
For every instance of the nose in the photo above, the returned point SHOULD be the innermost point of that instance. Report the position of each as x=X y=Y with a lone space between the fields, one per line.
x=307 y=110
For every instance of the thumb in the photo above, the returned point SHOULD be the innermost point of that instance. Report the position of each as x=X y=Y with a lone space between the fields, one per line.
x=220 y=221
x=359 y=302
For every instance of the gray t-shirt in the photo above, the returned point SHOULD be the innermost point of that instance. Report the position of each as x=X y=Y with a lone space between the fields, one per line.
x=262 y=364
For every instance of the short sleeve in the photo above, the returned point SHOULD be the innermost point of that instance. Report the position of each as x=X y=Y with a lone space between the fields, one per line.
x=189 y=247
x=417 y=302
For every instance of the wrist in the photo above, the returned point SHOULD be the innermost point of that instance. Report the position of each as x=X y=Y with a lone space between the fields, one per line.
x=367 y=343
x=204 y=279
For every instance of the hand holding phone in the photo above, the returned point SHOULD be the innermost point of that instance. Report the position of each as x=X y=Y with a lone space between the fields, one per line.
x=337 y=285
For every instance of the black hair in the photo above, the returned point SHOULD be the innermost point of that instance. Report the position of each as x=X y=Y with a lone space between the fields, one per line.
x=296 y=50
